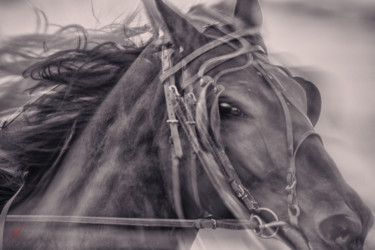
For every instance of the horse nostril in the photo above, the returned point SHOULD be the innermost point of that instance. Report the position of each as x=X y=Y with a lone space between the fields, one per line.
x=341 y=229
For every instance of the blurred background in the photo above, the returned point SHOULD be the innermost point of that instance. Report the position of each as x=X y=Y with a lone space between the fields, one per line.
x=330 y=42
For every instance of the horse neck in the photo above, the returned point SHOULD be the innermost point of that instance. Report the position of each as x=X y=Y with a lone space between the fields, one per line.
x=111 y=169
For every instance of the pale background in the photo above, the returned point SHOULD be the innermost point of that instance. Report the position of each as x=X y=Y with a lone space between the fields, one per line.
x=331 y=41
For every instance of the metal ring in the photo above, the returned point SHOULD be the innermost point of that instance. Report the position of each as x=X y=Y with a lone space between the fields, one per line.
x=273 y=234
x=260 y=227
x=294 y=210
x=269 y=211
x=269 y=225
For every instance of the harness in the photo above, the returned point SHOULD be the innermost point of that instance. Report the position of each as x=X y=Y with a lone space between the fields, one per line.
x=183 y=112
x=214 y=160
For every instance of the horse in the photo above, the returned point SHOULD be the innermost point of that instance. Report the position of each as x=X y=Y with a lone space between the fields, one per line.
x=138 y=147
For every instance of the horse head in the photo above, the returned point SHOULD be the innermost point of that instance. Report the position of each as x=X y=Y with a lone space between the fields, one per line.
x=196 y=123
x=262 y=118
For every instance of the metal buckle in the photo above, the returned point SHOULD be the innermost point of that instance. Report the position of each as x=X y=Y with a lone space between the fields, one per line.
x=192 y=97
x=259 y=230
x=291 y=186
x=173 y=121
x=241 y=192
x=173 y=90
x=263 y=227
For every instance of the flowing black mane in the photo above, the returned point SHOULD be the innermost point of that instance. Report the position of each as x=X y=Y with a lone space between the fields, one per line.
x=80 y=77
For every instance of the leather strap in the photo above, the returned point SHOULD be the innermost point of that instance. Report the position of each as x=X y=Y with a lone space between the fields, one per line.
x=206 y=159
x=284 y=100
x=216 y=61
x=190 y=102
x=171 y=93
x=278 y=89
x=207 y=47
x=139 y=222
x=169 y=88
x=216 y=150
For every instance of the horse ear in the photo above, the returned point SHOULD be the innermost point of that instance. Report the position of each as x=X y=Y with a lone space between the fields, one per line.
x=182 y=33
x=314 y=100
x=153 y=15
x=249 y=12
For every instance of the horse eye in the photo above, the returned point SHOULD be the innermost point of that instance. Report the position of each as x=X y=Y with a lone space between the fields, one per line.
x=227 y=109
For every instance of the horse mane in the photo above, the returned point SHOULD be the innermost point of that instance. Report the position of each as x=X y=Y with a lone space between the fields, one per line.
x=80 y=78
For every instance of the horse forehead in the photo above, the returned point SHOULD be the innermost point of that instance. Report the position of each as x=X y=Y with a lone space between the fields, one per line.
x=250 y=78
x=243 y=82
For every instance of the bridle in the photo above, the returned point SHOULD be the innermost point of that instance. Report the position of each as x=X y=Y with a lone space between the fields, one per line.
x=182 y=111
x=214 y=159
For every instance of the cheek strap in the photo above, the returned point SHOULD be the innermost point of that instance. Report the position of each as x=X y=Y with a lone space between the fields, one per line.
x=291 y=188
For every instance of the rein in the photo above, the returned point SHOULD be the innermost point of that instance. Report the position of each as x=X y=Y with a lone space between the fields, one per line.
x=144 y=222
